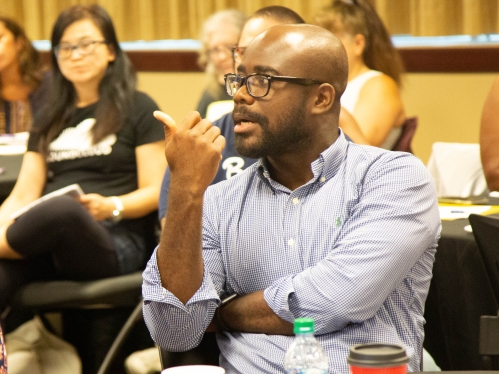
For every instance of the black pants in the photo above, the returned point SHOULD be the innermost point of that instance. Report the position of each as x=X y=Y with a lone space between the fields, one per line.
x=58 y=239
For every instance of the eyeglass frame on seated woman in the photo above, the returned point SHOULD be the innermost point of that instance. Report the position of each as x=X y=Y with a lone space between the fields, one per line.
x=80 y=47
x=269 y=78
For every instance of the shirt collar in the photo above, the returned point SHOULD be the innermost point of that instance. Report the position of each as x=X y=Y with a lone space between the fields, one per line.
x=324 y=167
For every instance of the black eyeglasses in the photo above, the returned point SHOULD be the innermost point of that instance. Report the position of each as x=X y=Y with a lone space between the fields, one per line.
x=84 y=47
x=258 y=85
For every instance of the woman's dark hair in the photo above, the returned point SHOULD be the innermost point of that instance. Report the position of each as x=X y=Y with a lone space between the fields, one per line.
x=116 y=88
x=359 y=17
x=29 y=59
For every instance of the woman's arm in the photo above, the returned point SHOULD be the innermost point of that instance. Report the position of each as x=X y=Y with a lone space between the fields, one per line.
x=151 y=165
x=489 y=137
x=351 y=128
x=379 y=109
x=28 y=187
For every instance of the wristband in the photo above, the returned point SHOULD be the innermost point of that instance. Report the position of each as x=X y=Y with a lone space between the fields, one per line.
x=118 y=209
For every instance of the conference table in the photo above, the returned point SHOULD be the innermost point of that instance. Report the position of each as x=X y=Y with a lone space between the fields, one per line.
x=459 y=294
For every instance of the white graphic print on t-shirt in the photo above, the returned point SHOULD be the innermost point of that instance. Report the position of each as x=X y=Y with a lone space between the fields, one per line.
x=233 y=166
x=76 y=142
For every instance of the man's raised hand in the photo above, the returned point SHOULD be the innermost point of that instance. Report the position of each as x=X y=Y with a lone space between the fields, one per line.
x=193 y=150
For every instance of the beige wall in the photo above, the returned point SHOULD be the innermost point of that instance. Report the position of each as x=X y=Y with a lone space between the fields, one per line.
x=175 y=93
x=448 y=105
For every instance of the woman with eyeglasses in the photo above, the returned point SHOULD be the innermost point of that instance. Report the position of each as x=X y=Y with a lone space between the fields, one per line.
x=23 y=81
x=220 y=32
x=99 y=132
x=375 y=68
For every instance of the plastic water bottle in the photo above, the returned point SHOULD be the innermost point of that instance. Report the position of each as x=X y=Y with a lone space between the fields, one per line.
x=305 y=355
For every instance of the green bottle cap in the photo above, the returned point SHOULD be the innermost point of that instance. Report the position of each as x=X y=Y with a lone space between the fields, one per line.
x=304 y=326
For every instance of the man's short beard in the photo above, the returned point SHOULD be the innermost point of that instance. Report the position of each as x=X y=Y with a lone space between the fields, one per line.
x=291 y=134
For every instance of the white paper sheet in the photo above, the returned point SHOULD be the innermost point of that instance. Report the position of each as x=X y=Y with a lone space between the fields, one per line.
x=456 y=212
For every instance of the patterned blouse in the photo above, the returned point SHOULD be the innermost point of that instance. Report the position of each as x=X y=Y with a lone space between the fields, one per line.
x=15 y=116
x=3 y=355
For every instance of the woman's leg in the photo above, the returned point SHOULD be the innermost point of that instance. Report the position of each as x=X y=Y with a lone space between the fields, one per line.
x=80 y=247
x=5 y=250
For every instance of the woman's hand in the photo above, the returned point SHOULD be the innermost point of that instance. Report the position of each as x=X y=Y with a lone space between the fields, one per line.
x=98 y=206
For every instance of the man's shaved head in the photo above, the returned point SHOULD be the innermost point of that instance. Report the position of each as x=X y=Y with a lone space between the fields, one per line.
x=291 y=117
x=305 y=51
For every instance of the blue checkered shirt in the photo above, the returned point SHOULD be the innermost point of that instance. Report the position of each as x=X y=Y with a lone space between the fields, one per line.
x=353 y=249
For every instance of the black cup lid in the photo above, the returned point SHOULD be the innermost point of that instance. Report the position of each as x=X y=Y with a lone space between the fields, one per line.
x=377 y=355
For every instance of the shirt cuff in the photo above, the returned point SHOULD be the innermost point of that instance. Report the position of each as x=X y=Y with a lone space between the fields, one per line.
x=152 y=290
x=277 y=297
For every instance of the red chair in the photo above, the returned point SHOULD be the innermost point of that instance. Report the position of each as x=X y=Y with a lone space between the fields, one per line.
x=403 y=143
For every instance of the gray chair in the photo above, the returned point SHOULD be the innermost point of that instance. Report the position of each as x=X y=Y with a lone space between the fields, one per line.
x=56 y=296
x=486 y=232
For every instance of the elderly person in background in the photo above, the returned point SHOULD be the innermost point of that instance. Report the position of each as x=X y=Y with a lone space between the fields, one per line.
x=219 y=34
x=23 y=84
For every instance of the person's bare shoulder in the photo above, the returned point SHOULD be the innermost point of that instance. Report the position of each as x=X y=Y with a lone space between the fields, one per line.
x=380 y=85
x=381 y=96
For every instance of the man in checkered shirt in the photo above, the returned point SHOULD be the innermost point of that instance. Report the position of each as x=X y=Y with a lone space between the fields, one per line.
x=318 y=227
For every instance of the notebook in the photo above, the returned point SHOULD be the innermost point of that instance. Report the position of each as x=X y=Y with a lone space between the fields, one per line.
x=71 y=190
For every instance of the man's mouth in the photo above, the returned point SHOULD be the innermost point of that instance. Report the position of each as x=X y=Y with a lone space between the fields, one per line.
x=247 y=121
x=243 y=122
x=242 y=119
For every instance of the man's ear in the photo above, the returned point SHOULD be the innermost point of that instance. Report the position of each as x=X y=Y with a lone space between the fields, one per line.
x=324 y=99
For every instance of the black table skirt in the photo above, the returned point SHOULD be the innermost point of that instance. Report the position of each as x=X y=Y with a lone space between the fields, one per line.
x=460 y=293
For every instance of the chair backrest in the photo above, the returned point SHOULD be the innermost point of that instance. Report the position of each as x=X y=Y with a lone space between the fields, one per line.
x=486 y=232
x=404 y=141
x=457 y=169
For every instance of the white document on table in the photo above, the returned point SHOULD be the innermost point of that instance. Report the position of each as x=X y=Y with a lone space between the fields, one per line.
x=456 y=212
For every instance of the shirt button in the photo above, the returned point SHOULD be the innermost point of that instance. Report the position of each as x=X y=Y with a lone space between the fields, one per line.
x=323 y=179
x=291 y=242
x=295 y=200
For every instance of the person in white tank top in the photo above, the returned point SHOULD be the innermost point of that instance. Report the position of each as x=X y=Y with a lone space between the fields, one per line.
x=375 y=68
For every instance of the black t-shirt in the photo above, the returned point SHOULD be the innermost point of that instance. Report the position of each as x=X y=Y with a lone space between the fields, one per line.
x=108 y=168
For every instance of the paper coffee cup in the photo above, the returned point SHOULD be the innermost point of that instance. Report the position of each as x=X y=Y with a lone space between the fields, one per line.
x=377 y=358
